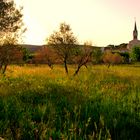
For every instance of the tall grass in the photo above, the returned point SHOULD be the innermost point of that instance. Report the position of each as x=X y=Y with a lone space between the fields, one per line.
x=99 y=103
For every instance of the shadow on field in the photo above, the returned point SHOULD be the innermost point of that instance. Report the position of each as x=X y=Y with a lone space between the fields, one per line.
x=60 y=112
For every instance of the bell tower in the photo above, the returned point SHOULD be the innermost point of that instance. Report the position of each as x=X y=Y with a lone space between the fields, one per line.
x=135 y=40
x=135 y=32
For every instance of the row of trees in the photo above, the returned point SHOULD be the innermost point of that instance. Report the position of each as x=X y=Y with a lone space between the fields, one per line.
x=62 y=46
x=82 y=56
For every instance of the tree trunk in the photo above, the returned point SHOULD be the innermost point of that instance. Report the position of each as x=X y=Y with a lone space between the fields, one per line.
x=86 y=66
x=50 y=64
x=65 y=65
x=0 y=67
x=78 y=68
x=4 y=69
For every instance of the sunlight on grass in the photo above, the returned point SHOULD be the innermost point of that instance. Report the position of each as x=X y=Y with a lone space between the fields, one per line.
x=98 y=102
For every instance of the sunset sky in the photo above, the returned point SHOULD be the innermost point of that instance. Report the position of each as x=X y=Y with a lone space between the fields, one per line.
x=103 y=22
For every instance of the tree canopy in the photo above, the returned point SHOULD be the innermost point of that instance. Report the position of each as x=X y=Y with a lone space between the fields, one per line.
x=10 y=17
x=10 y=27
x=63 y=42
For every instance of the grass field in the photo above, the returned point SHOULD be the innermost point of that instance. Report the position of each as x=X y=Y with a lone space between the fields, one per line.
x=37 y=103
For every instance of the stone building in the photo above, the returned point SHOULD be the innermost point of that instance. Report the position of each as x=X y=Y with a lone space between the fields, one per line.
x=135 y=40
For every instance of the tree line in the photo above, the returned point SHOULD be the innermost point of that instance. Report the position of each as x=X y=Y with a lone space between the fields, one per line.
x=62 y=46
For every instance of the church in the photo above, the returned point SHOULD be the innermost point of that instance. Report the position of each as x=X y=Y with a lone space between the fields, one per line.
x=135 y=40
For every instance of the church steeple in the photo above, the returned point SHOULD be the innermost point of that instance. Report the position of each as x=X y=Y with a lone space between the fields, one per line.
x=135 y=32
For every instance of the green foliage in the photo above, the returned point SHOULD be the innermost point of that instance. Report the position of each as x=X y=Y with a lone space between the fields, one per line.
x=135 y=54
x=26 y=55
x=97 y=55
x=63 y=42
x=10 y=17
x=126 y=56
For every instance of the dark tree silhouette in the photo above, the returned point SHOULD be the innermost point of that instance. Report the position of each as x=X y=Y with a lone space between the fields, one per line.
x=63 y=42
x=10 y=29
x=10 y=17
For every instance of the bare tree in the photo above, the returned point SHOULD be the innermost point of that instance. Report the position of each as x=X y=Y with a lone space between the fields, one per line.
x=63 y=42
x=83 y=57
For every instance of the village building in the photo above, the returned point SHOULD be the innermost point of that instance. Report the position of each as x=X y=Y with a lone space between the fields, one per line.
x=135 y=40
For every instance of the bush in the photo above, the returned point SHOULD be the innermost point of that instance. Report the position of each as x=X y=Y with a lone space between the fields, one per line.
x=135 y=53
x=110 y=58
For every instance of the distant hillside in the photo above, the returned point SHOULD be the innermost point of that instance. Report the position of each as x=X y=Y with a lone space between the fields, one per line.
x=32 y=48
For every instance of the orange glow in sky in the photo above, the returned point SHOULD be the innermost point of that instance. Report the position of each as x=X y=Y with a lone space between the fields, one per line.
x=103 y=22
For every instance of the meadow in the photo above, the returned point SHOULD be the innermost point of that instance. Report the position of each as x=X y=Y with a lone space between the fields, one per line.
x=100 y=103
